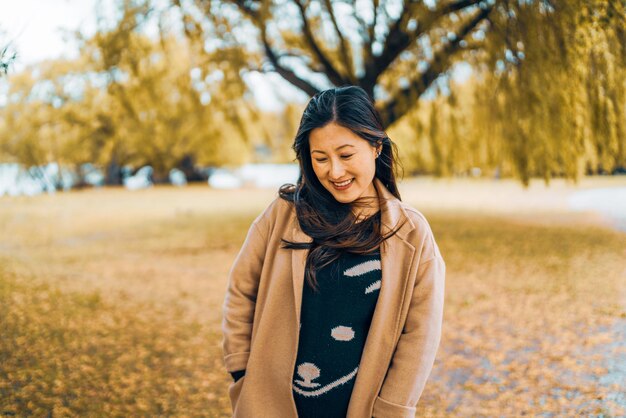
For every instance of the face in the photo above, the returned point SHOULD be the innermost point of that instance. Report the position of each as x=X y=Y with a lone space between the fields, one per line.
x=344 y=162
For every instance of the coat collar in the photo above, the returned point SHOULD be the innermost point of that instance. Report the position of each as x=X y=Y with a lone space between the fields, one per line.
x=391 y=214
x=397 y=257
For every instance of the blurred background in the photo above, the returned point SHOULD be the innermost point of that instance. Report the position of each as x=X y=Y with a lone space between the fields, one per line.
x=140 y=138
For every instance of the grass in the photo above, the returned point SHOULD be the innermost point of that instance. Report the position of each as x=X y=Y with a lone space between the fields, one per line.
x=110 y=301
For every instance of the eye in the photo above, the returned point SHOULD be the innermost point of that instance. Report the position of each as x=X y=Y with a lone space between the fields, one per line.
x=345 y=157
x=320 y=160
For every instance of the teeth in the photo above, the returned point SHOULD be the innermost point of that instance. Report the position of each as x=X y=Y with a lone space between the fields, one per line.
x=345 y=183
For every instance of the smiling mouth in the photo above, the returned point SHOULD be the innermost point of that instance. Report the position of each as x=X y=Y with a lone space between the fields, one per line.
x=342 y=185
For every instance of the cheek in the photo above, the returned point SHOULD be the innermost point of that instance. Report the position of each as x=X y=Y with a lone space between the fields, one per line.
x=366 y=167
x=373 y=167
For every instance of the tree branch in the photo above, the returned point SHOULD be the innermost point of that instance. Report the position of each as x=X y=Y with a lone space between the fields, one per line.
x=330 y=70
x=393 y=46
x=404 y=99
x=398 y=38
x=345 y=53
x=252 y=14
x=286 y=73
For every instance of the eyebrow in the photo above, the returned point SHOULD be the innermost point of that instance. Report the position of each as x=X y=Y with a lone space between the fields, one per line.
x=336 y=149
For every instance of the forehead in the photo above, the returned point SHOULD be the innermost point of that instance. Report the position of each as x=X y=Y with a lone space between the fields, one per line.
x=332 y=135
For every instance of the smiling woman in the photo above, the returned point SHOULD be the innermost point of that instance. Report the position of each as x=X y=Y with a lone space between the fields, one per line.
x=360 y=338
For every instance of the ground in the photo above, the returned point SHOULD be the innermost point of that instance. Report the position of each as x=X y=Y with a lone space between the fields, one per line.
x=110 y=300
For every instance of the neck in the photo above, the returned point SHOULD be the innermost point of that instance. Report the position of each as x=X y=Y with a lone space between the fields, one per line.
x=369 y=207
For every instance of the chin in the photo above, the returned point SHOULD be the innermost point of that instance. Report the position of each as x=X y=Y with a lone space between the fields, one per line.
x=343 y=198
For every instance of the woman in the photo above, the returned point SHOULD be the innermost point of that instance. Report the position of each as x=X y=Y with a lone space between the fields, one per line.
x=359 y=338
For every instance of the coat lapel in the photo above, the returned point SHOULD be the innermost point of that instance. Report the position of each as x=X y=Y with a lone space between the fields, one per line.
x=298 y=263
x=396 y=260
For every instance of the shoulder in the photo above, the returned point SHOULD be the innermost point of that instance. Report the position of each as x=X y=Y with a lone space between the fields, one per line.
x=414 y=214
x=422 y=235
x=276 y=208
x=277 y=214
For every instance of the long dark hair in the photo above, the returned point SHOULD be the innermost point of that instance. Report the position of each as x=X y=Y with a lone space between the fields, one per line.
x=331 y=224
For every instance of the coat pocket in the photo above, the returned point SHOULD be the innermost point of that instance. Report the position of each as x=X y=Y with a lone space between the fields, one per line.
x=234 y=390
x=386 y=409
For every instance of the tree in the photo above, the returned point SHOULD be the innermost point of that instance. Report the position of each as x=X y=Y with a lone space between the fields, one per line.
x=559 y=96
x=399 y=47
x=523 y=52
x=7 y=55
x=167 y=105
x=45 y=116
x=128 y=99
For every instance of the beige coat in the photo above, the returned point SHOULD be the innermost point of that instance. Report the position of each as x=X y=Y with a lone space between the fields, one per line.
x=261 y=314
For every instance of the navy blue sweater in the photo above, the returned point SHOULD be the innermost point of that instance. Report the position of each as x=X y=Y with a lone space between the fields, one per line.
x=333 y=328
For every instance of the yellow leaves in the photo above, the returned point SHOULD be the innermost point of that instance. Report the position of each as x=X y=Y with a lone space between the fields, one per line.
x=535 y=338
x=121 y=367
x=497 y=357
x=459 y=361
x=486 y=390
x=128 y=324
x=600 y=338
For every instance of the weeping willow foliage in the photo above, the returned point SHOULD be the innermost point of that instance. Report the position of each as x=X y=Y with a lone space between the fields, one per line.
x=566 y=96
x=550 y=104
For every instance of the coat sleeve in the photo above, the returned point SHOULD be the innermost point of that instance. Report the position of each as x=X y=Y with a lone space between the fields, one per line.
x=417 y=346
x=240 y=300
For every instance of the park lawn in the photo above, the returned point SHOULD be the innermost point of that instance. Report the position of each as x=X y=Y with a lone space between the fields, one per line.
x=110 y=304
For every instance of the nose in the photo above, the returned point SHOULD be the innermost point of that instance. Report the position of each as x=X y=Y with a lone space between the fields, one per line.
x=337 y=170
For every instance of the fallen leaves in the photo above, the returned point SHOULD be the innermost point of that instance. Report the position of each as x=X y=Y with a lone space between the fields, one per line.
x=128 y=322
